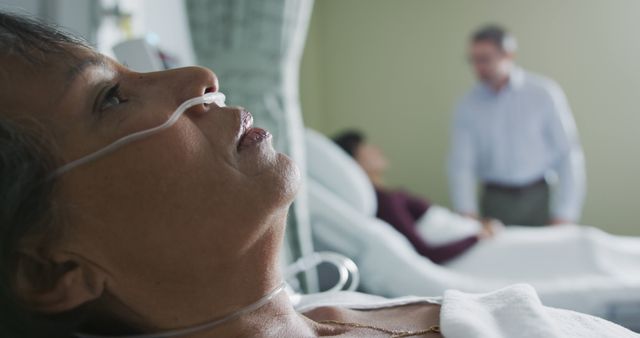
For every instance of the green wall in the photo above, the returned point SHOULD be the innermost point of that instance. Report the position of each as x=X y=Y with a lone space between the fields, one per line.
x=394 y=68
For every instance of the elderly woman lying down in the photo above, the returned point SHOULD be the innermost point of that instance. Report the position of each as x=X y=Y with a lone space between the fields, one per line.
x=129 y=209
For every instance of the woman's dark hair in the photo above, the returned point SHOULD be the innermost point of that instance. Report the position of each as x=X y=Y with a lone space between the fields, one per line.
x=26 y=160
x=32 y=39
x=349 y=141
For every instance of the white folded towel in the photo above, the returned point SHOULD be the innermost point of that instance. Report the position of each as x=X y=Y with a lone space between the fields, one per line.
x=440 y=226
x=516 y=312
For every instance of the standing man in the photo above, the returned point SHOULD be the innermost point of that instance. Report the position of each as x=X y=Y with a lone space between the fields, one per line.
x=514 y=135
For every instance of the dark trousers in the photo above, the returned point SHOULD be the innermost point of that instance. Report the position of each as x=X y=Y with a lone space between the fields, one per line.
x=526 y=205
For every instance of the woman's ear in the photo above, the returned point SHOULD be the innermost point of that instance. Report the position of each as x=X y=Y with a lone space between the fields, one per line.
x=57 y=284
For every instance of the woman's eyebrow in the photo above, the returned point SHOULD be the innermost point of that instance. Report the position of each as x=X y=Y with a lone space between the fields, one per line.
x=96 y=60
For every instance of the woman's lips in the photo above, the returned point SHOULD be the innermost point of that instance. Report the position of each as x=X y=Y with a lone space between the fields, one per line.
x=252 y=137
x=246 y=121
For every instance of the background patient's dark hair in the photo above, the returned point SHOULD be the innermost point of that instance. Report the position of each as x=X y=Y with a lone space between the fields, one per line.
x=26 y=205
x=349 y=141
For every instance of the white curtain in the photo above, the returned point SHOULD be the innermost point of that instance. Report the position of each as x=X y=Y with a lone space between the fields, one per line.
x=255 y=47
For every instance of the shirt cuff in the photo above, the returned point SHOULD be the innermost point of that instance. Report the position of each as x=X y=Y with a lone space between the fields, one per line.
x=566 y=214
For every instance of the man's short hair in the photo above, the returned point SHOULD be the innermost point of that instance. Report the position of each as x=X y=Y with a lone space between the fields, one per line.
x=497 y=35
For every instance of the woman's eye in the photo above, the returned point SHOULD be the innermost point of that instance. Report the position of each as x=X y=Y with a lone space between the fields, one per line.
x=110 y=102
x=112 y=98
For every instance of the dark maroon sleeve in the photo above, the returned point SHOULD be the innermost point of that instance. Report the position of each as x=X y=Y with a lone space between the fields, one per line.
x=393 y=209
x=417 y=206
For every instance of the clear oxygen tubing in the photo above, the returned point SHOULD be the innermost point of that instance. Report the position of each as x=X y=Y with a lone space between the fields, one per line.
x=344 y=265
x=199 y=328
x=208 y=98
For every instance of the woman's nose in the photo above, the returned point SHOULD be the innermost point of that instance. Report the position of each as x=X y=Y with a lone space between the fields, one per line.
x=191 y=82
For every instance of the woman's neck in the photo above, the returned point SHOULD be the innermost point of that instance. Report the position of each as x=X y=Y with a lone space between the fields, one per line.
x=215 y=293
x=376 y=179
x=277 y=318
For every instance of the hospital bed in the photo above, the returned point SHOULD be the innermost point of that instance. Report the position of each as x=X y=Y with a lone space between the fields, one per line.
x=603 y=278
x=342 y=207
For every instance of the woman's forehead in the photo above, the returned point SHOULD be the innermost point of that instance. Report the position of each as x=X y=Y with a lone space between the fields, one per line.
x=85 y=58
x=25 y=85
x=30 y=87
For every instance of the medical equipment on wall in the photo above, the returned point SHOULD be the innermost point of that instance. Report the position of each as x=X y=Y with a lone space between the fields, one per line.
x=208 y=98
x=345 y=265
x=140 y=55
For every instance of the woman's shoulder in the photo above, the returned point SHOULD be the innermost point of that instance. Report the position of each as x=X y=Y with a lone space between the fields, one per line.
x=392 y=193
x=357 y=301
x=371 y=314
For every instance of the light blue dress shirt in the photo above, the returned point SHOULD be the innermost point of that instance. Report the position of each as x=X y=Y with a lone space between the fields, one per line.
x=516 y=136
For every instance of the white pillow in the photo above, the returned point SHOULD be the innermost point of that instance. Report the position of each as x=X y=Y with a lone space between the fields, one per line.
x=334 y=169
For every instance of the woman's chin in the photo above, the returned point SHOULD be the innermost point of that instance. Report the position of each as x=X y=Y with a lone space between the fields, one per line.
x=291 y=178
x=274 y=176
x=258 y=158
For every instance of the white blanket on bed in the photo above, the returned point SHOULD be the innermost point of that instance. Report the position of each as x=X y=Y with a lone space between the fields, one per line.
x=440 y=226
x=511 y=312
x=516 y=311
x=543 y=254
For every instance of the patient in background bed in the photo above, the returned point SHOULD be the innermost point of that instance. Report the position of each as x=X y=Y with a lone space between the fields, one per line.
x=413 y=216
x=517 y=253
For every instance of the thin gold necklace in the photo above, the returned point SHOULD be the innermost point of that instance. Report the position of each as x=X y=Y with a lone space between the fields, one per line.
x=391 y=333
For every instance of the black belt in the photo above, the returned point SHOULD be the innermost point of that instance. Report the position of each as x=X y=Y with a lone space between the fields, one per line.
x=515 y=189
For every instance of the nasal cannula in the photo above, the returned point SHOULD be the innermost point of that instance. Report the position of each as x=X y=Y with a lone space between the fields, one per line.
x=208 y=98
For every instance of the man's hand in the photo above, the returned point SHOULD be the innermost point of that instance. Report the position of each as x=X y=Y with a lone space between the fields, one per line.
x=490 y=228
x=559 y=221
x=471 y=215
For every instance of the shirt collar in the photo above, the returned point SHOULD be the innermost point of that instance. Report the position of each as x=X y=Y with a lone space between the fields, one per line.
x=516 y=80
x=516 y=77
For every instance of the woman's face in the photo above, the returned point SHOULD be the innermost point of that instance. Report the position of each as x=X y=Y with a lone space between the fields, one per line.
x=371 y=159
x=181 y=204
